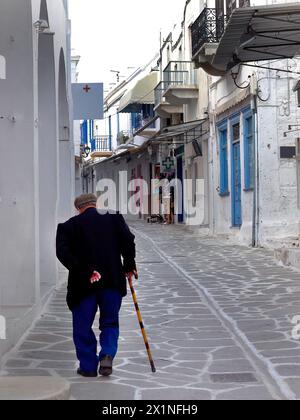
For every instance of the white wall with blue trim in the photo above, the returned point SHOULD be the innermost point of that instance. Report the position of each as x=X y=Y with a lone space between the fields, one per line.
x=276 y=207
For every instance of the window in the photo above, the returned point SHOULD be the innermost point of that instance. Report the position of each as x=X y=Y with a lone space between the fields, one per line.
x=249 y=152
x=136 y=121
x=147 y=112
x=223 y=134
x=236 y=132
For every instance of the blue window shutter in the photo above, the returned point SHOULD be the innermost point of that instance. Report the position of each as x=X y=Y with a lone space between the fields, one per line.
x=84 y=132
x=223 y=161
x=133 y=121
x=91 y=130
x=249 y=157
x=136 y=121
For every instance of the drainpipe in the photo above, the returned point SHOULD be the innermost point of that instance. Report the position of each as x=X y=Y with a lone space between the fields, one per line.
x=256 y=215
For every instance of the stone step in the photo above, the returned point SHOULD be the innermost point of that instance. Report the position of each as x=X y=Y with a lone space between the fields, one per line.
x=33 y=388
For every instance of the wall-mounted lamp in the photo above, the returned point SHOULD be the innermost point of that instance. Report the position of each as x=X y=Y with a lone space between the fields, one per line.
x=86 y=151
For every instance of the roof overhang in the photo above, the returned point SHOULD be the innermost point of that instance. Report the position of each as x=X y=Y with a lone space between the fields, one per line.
x=259 y=33
x=142 y=93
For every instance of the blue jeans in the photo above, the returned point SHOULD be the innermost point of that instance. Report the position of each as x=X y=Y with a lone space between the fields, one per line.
x=109 y=301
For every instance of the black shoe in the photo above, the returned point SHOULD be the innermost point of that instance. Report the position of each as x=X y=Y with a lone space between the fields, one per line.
x=106 y=366
x=87 y=374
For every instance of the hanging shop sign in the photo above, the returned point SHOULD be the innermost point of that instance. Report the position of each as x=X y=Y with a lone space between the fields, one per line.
x=168 y=164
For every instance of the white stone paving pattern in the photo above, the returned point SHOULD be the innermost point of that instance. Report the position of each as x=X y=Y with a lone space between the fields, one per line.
x=218 y=318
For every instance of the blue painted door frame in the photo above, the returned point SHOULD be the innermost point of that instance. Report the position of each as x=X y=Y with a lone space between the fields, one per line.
x=236 y=182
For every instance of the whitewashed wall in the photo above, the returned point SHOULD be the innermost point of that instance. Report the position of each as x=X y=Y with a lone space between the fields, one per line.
x=36 y=183
x=279 y=213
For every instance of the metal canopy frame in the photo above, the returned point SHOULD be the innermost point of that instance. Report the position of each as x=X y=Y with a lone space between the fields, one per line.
x=186 y=132
x=259 y=34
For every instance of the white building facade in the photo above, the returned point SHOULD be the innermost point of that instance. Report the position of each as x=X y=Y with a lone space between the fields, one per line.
x=37 y=154
x=249 y=158
x=228 y=116
x=252 y=148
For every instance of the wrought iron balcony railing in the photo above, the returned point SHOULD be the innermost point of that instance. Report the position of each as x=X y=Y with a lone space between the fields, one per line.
x=101 y=144
x=179 y=73
x=176 y=74
x=208 y=28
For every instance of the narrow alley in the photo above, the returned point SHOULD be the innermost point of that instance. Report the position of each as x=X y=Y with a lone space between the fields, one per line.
x=219 y=320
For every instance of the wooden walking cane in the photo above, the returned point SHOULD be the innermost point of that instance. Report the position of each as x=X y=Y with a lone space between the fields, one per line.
x=141 y=324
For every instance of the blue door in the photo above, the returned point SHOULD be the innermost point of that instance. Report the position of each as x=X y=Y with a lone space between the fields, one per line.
x=236 y=178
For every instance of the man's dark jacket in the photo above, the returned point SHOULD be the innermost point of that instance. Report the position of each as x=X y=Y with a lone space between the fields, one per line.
x=95 y=242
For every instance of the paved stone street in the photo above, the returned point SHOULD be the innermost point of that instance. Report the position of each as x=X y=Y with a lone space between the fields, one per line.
x=219 y=320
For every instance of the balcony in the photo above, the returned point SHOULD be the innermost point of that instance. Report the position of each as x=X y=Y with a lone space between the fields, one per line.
x=101 y=147
x=162 y=107
x=181 y=83
x=179 y=87
x=207 y=32
x=246 y=34
x=259 y=33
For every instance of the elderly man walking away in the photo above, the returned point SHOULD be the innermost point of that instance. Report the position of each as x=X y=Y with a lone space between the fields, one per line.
x=99 y=252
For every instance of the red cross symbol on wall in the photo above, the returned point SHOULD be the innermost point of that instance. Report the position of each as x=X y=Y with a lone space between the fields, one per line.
x=86 y=88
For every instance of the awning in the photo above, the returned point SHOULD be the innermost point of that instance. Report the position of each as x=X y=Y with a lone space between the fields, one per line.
x=259 y=33
x=141 y=94
x=191 y=130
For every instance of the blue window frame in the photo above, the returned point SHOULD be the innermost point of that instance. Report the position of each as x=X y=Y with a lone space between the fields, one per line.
x=84 y=132
x=148 y=111
x=223 y=138
x=236 y=184
x=249 y=150
x=136 y=120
